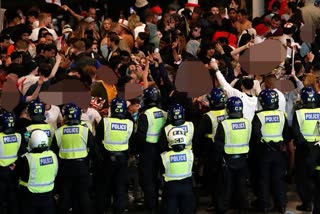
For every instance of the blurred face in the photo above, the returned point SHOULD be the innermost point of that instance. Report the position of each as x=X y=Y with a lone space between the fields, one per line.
x=92 y=26
x=214 y=10
x=42 y=40
x=240 y=17
x=107 y=25
x=275 y=24
x=233 y=15
x=25 y=36
x=92 y=13
x=139 y=41
x=196 y=32
x=49 y=39
x=5 y=43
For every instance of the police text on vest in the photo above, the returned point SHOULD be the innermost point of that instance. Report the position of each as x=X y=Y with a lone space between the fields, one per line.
x=10 y=139
x=71 y=130
x=272 y=119
x=240 y=125
x=46 y=161
x=178 y=158
x=312 y=116
x=158 y=114
x=119 y=126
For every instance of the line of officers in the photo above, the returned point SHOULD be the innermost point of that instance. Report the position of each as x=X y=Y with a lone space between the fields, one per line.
x=45 y=161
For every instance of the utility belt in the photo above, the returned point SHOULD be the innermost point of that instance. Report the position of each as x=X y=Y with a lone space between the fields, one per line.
x=117 y=153
x=236 y=156
x=74 y=160
x=272 y=146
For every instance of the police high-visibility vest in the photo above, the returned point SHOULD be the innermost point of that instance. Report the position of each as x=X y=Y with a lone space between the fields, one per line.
x=47 y=128
x=237 y=136
x=309 y=123
x=87 y=124
x=215 y=117
x=178 y=165
x=43 y=170
x=72 y=141
x=117 y=133
x=272 y=124
x=188 y=129
x=156 y=120
x=9 y=147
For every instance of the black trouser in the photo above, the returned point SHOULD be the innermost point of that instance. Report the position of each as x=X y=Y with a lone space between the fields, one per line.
x=149 y=175
x=271 y=172
x=304 y=181
x=74 y=177
x=112 y=182
x=178 y=197
x=8 y=191
x=211 y=169
x=316 y=201
x=35 y=203
x=232 y=185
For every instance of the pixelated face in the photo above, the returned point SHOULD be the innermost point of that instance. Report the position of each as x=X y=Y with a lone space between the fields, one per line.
x=215 y=10
x=275 y=24
x=107 y=25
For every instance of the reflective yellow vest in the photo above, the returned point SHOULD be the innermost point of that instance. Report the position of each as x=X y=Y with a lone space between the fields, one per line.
x=47 y=128
x=178 y=165
x=215 y=117
x=272 y=124
x=309 y=123
x=116 y=134
x=72 y=141
x=156 y=120
x=189 y=131
x=43 y=170
x=9 y=147
x=237 y=136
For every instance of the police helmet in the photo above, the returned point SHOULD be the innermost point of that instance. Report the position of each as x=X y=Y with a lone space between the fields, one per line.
x=72 y=113
x=269 y=99
x=36 y=110
x=118 y=107
x=38 y=139
x=177 y=138
x=217 y=98
x=176 y=114
x=234 y=107
x=151 y=96
x=308 y=97
x=7 y=121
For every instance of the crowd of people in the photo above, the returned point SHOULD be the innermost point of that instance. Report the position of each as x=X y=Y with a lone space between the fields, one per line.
x=163 y=148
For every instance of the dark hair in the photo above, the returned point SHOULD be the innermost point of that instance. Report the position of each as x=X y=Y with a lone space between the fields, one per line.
x=114 y=38
x=243 y=12
x=50 y=47
x=276 y=17
x=247 y=83
x=276 y=4
x=44 y=69
x=48 y=33
x=33 y=13
x=4 y=37
x=143 y=36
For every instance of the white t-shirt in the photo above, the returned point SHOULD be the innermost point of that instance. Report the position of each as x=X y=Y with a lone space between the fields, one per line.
x=91 y=116
x=53 y=116
x=250 y=103
x=25 y=82
x=35 y=33
x=282 y=100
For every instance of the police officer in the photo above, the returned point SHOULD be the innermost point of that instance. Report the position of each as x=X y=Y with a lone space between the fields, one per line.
x=232 y=145
x=37 y=170
x=176 y=118
x=305 y=127
x=10 y=149
x=113 y=136
x=178 y=196
x=73 y=143
x=205 y=140
x=149 y=126
x=36 y=111
x=269 y=137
